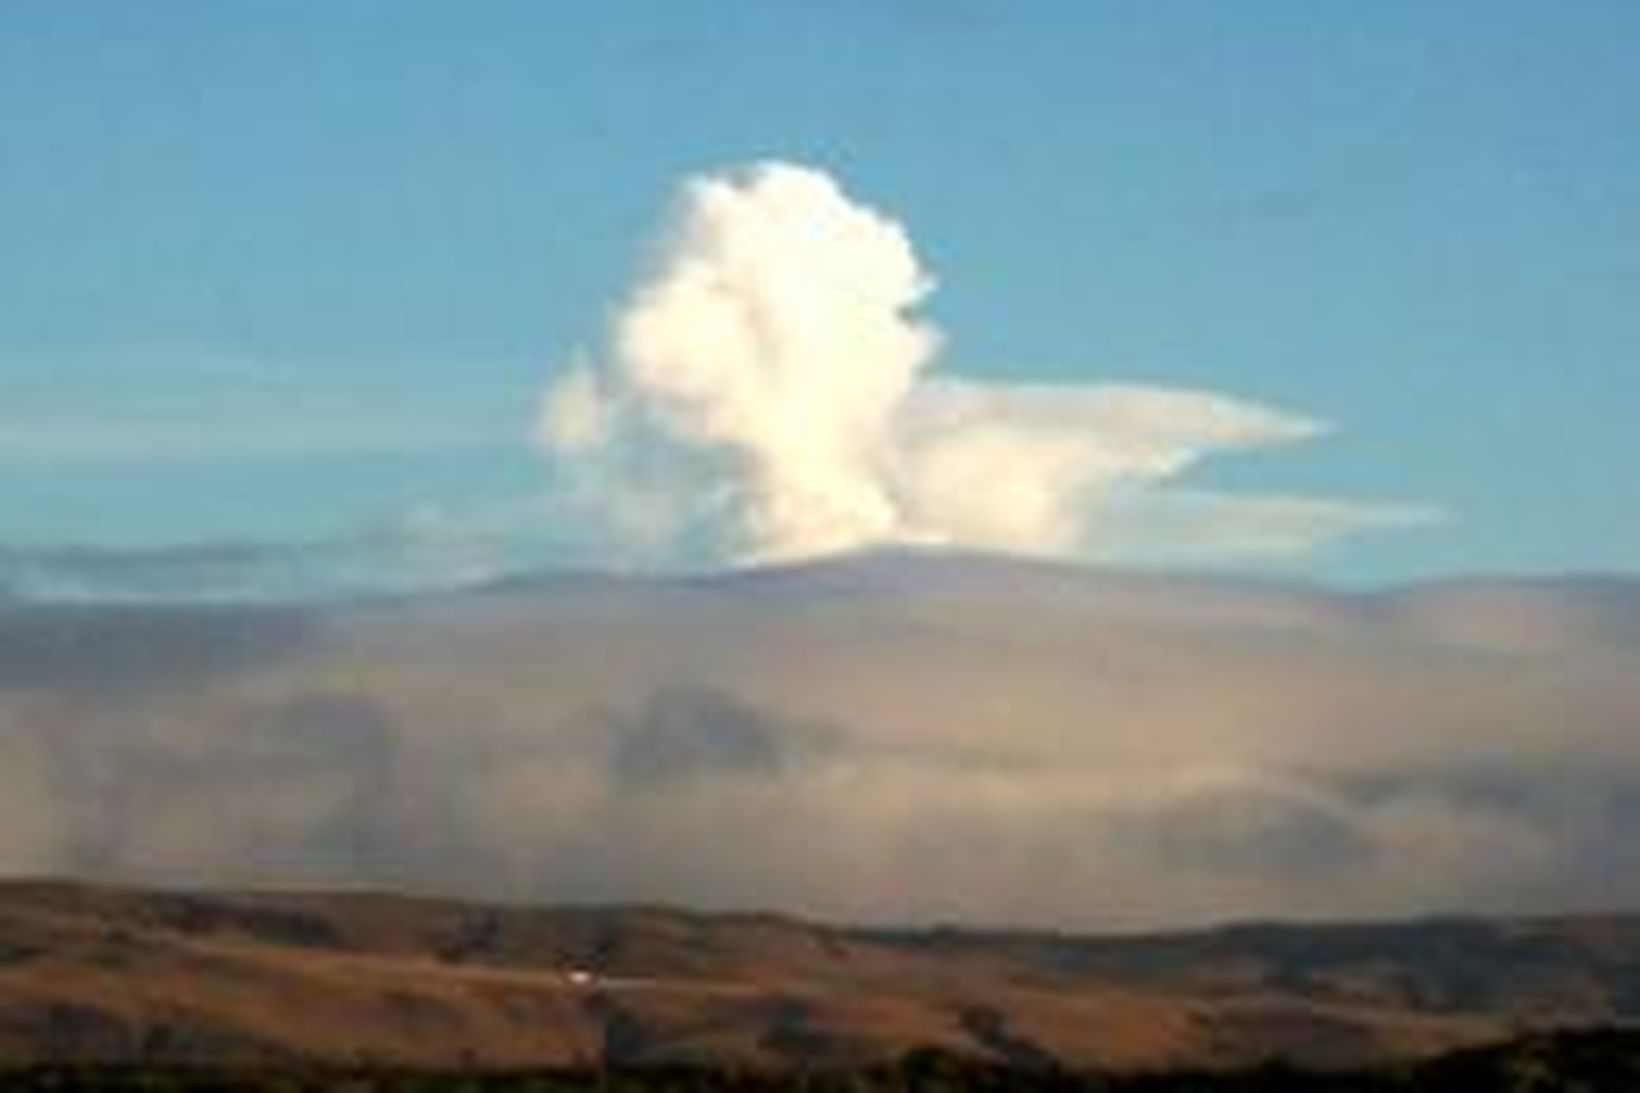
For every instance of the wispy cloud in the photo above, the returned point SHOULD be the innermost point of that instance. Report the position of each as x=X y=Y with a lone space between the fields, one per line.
x=191 y=405
x=428 y=549
x=1189 y=525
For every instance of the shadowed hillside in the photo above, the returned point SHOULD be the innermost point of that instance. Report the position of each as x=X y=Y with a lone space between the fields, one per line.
x=1595 y=1061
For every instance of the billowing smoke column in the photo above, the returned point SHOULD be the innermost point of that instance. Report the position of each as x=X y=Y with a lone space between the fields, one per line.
x=769 y=388
x=776 y=332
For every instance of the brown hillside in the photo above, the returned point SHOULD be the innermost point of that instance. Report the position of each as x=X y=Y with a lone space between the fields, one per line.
x=108 y=974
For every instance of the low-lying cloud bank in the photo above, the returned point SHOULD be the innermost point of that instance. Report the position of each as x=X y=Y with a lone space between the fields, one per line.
x=887 y=738
x=769 y=393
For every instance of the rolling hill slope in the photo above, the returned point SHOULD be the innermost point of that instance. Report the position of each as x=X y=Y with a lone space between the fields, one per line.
x=119 y=975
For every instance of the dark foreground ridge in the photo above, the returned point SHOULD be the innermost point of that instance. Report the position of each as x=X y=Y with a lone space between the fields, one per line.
x=1592 y=1061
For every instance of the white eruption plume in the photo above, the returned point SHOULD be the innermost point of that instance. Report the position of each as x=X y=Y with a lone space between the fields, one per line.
x=775 y=362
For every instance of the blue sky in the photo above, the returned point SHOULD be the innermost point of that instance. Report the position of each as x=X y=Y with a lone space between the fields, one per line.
x=289 y=271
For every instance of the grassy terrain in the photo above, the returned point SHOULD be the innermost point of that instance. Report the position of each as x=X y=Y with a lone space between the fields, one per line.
x=1595 y=1061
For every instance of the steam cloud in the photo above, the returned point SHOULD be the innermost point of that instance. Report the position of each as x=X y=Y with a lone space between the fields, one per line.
x=769 y=394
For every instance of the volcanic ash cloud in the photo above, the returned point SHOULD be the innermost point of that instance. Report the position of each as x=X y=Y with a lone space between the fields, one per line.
x=770 y=393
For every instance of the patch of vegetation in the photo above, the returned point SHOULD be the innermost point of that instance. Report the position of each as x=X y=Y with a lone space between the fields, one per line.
x=12 y=954
x=1601 y=1061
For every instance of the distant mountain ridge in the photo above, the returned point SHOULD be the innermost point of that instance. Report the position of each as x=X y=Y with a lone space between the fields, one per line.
x=248 y=574
x=122 y=975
